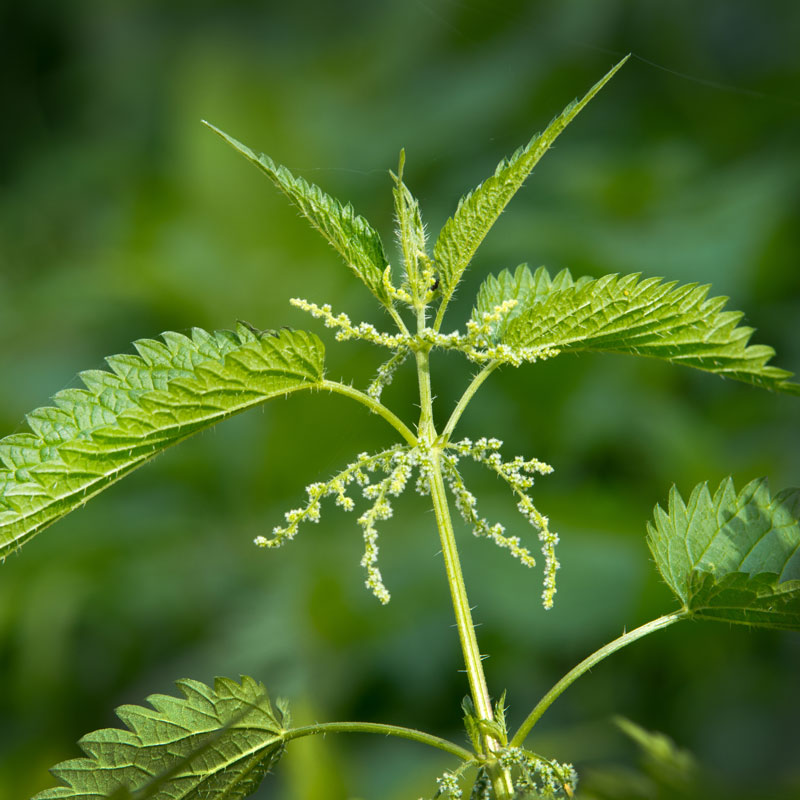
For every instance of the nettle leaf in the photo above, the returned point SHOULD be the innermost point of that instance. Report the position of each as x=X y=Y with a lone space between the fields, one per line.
x=410 y=232
x=218 y=742
x=730 y=557
x=349 y=234
x=524 y=286
x=477 y=212
x=92 y=437
x=627 y=314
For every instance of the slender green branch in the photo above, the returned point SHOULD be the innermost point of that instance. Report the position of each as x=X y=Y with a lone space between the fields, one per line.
x=398 y=320
x=437 y=322
x=587 y=664
x=374 y=406
x=384 y=730
x=466 y=397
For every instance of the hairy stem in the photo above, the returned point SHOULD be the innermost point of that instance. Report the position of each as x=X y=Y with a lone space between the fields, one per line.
x=587 y=664
x=374 y=406
x=383 y=730
x=501 y=779
x=466 y=627
x=466 y=397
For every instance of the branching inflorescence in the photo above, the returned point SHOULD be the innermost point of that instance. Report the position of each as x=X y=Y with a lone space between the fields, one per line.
x=396 y=464
x=476 y=344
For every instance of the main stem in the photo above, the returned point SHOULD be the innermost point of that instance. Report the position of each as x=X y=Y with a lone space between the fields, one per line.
x=501 y=780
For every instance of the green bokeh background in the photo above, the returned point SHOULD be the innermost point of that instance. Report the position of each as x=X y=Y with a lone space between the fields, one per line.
x=121 y=216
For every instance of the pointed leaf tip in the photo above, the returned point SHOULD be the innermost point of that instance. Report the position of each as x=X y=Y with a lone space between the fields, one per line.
x=348 y=233
x=477 y=211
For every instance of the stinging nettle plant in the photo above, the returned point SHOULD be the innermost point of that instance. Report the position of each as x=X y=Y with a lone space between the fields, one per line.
x=727 y=555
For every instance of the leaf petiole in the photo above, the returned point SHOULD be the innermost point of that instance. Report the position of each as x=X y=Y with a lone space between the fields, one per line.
x=464 y=401
x=374 y=406
x=587 y=664
x=381 y=729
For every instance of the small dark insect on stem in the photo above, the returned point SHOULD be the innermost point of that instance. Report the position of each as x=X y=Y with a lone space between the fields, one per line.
x=261 y=333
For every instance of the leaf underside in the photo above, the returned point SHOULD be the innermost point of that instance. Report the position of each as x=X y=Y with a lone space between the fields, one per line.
x=216 y=742
x=729 y=557
x=478 y=211
x=349 y=234
x=173 y=388
x=628 y=314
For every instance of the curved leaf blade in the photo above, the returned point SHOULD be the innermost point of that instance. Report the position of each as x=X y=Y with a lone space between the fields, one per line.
x=349 y=234
x=173 y=388
x=524 y=287
x=218 y=742
x=732 y=557
x=477 y=211
x=627 y=314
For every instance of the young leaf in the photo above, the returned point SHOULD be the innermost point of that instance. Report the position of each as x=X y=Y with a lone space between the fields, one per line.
x=477 y=211
x=730 y=557
x=643 y=317
x=93 y=437
x=348 y=233
x=212 y=743
x=411 y=235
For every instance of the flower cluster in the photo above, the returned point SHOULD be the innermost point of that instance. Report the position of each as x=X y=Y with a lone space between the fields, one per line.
x=482 y=788
x=391 y=486
x=505 y=354
x=518 y=474
x=346 y=329
x=448 y=786
x=385 y=373
x=483 y=330
x=397 y=464
x=481 y=340
x=537 y=776
x=479 y=345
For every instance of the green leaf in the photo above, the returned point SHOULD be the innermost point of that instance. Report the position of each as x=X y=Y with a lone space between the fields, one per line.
x=348 y=233
x=477 y=212
x=646 y=317
x=523 y=286
x=734 y=558
x=92 y=437
x=212 y=743
x=411 y=235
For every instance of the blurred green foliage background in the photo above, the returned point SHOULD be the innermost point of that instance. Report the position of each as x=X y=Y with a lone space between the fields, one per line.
x=122 y=216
